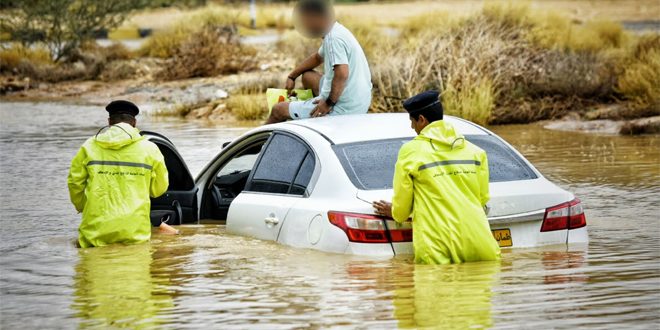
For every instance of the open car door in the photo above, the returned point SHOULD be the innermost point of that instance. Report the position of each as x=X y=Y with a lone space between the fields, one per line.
x=179 y=204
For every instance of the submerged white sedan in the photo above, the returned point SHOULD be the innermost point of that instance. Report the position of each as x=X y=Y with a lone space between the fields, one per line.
x=310 y=184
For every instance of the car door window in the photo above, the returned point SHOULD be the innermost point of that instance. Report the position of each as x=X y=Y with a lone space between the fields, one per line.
x=286 y=167
x=238 y=164
x=179 y=176
x=304 y=175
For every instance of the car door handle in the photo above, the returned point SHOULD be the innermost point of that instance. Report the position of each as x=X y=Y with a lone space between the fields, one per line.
x=271 y=221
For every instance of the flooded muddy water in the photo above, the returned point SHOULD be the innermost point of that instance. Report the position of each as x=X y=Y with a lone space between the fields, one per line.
x=208 y=279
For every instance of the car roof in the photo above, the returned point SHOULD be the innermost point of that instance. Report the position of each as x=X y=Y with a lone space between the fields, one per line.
x=376 y=126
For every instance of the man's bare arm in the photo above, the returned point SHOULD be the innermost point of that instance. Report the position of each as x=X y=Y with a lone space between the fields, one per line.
x=310 y=63
x=338 y=82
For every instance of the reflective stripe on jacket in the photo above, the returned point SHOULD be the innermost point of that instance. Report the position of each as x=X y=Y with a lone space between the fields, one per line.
x=441 y=180
x=110 y=182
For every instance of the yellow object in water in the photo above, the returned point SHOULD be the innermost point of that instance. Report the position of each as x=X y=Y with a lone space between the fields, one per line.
x=442 y=181
x=446 y=297
x=110 y=182
x=277 y=95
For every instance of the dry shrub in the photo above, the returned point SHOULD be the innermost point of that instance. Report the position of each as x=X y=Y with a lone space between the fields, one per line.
x=209 y=52
x=640 y=79
x=248 y=106
x=472 y=64
x=89 y=62
x=14 y=55
x=583 y=75
x=162 y=44
x=117 y=51
x=504 y=64
x=474 y=101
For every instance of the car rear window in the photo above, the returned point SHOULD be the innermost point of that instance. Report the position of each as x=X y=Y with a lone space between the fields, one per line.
x=370 y=165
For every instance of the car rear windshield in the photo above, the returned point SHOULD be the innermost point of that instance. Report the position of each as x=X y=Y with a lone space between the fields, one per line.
x=370 y=165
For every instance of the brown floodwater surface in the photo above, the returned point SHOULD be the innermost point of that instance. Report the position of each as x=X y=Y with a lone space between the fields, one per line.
x=207 y=278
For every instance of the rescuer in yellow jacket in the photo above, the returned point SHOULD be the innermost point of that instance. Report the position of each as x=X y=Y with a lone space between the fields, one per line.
x=441 y=180
x=111 y=179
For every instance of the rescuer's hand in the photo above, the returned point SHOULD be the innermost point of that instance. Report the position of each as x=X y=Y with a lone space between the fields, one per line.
x=167 y=229
x=290 y=84
x=383 y=208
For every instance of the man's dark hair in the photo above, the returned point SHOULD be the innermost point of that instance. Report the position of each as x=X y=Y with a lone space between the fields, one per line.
x=314 y=7
x=121 y=118
x=431 y=114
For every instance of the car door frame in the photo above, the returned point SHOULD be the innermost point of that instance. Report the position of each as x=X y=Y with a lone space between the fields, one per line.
x=207 y=176
x=183 y=201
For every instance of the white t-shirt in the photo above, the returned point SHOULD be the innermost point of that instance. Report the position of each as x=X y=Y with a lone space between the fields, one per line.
x=340 y=47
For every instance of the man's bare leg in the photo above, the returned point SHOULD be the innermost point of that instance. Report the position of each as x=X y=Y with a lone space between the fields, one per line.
x=279 y=113
x=312 y=80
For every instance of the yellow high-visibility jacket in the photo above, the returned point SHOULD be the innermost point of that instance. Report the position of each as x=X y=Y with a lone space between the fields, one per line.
x=110 y=182
x=441 y=180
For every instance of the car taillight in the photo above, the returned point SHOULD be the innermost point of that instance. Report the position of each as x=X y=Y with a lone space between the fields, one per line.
x=400 y=232
x=569 y=215
x=366 y=228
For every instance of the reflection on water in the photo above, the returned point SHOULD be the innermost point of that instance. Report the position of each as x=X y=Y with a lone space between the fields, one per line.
x=206 y=278
x=454 y=296
x=114 y=287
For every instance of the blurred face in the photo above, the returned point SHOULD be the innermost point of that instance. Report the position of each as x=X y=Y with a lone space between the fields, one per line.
x=418 y=124
x=312 y=26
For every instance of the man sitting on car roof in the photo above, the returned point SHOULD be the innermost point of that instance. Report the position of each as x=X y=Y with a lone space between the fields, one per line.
x=441 y=180
x=345 y=85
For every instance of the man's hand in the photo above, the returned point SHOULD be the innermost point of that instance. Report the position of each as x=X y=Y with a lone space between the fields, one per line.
x=290 y=84
x=383 y=208
x=322 y=108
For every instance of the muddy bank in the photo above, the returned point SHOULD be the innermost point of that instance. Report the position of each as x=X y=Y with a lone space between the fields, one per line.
x=649 y=125
x=189 y=98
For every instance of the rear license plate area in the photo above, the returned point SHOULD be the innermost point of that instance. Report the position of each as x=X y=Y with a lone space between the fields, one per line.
x=503 y=237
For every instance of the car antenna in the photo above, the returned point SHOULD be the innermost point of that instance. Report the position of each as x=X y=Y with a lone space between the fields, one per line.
x=364 y=200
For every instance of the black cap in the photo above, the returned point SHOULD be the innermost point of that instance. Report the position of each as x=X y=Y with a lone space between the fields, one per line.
x=122 y=107
x=429 y=100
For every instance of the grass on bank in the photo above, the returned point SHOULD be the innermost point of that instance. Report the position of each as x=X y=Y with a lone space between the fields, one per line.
x=248 y=107
x=508 y=63
x=14 y=55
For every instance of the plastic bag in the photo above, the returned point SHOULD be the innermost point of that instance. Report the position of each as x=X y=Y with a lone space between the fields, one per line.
x=277 y=95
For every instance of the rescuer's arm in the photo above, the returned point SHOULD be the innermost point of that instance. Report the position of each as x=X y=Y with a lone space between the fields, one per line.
x=77 y=180
x=159 y=176
x=482 y=174
x=402 y=202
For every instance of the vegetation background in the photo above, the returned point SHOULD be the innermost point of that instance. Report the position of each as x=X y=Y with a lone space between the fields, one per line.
x=494 y=62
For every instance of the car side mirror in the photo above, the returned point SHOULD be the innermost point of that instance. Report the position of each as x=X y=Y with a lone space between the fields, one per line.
x=224 y=145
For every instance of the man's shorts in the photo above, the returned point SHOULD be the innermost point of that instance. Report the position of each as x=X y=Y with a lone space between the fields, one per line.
x=302 y=109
